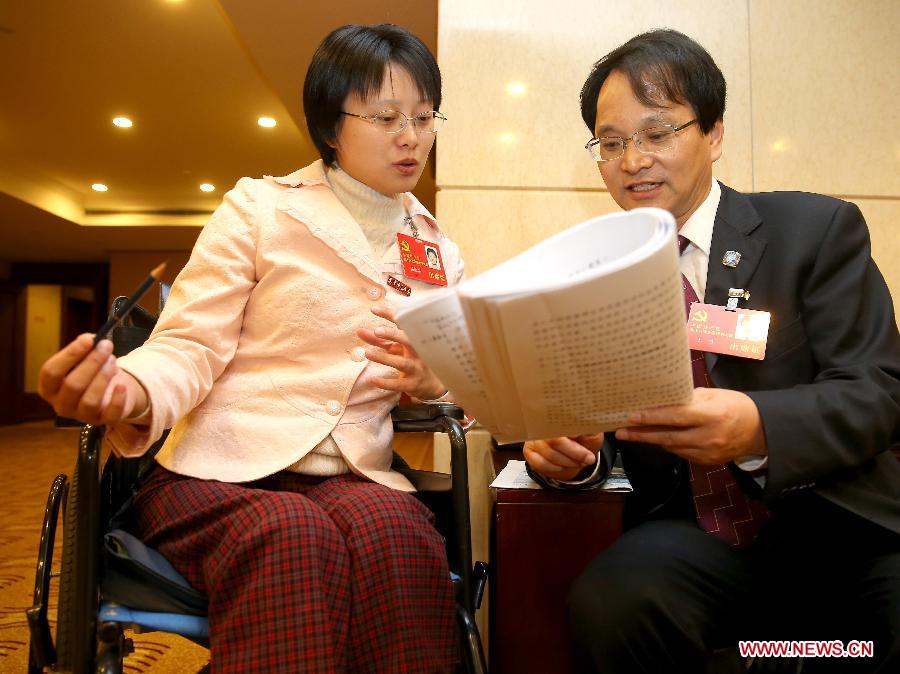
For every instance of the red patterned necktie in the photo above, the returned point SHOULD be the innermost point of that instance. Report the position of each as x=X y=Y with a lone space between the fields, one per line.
x=722 y=507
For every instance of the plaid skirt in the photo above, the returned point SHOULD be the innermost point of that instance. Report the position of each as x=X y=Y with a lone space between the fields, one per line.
x=307 y=574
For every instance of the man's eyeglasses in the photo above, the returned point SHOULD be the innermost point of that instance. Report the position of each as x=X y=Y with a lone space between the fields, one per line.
x=650 y=141
x=391 y=121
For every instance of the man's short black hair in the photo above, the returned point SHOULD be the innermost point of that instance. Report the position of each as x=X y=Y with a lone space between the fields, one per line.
x=352 y=60
x=677 y=69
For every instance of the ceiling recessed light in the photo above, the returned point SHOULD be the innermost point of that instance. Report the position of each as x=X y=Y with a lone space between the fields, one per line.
x=122 y=122
x=267 y=122
x=207 y=187
x=515 y=88
x=99 y=187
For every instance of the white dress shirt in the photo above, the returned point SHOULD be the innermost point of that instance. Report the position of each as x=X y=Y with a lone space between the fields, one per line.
x=694 y=264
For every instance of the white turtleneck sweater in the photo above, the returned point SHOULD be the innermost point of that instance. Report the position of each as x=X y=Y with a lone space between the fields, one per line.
x=380 y=217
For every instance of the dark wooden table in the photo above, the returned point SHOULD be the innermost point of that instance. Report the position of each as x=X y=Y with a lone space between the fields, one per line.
x=541 y=542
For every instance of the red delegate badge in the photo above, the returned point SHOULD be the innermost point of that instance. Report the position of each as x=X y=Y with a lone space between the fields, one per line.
x=421 y=260
x=742 y=332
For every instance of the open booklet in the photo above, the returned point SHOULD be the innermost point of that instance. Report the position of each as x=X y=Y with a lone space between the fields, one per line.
x=567 y=337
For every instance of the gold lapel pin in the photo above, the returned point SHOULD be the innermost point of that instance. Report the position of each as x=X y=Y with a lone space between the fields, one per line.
x=731 y=258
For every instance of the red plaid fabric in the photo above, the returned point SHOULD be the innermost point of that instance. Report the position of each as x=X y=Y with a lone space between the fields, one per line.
x=307 y=574
x=722 y=507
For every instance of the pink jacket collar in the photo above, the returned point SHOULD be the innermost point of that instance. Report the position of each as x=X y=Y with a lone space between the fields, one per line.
x=314 y=174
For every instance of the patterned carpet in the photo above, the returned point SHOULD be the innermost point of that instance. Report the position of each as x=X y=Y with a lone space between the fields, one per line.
x=31 y=455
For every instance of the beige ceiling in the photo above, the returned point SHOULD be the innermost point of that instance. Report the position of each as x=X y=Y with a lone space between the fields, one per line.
x=193 y=75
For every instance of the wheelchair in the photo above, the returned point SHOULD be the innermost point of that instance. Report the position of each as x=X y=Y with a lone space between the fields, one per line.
x=110 y=581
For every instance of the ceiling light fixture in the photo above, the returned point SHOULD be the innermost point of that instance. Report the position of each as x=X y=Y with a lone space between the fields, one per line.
x=99 y=187
x=267 y=122
x=122 y=122
x=207 y=187
x=515 y=88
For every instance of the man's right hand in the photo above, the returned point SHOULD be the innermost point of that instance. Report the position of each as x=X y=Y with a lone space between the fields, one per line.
x=84 y=383
x=563 y=458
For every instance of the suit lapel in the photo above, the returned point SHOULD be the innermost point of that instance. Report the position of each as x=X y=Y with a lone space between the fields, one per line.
x=735 y=223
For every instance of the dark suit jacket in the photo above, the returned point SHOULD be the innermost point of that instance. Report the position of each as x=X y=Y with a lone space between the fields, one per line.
x=828 y=390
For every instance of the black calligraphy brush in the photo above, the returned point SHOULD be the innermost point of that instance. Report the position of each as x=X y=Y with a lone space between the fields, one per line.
x=154 y=276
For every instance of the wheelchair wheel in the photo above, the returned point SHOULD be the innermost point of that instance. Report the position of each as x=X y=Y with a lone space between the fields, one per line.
x=76 y=639
x=64 y=602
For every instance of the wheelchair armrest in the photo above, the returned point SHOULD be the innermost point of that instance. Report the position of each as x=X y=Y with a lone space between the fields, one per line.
x=425 y=417
x=427 y=480
x=446 y=418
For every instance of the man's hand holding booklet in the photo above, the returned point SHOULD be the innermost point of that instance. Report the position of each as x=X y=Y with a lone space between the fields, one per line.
x=567 y=337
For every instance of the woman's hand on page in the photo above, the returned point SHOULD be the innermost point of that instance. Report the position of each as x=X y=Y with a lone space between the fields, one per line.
x=390 y=346
x=563 y=458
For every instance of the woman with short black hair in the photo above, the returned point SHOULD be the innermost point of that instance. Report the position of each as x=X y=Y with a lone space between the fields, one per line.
x=276 y=363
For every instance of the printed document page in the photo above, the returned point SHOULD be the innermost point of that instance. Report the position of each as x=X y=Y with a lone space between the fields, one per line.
x=599 y=350
x=568 y=337
x=438 y=330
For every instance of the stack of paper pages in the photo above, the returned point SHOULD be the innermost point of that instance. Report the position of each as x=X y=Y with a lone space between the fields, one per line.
x=568 y=337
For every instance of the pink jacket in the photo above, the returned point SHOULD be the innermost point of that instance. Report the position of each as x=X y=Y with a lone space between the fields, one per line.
x=252 y=361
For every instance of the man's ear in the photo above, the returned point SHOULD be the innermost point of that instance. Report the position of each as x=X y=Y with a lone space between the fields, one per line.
x=716 y=137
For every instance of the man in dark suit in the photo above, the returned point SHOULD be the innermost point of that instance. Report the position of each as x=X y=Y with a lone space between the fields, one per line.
x=768 y=508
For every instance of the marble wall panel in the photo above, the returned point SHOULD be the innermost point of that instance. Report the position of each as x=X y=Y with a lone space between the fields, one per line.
x=825 y=91
x=883 y=218
x=513 y=71
x=491 y=226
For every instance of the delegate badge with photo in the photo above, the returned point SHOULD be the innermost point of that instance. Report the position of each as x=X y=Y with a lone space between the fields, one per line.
x=742 y=332
x=421 y=260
